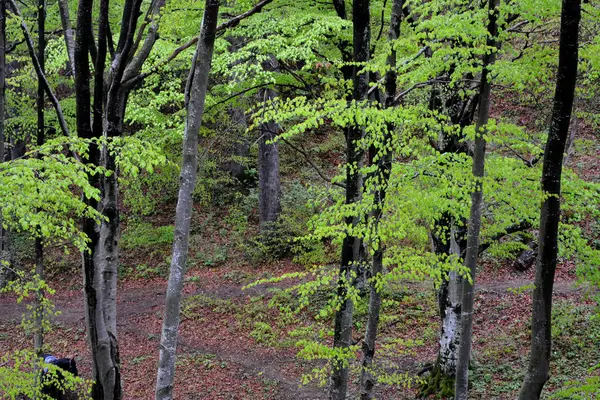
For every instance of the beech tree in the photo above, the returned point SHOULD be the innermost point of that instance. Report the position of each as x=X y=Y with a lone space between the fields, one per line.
x=196 y=87
x=474 y=225
x=269 y=192
x=380 y=154
x=352 y=245
x=541 y=318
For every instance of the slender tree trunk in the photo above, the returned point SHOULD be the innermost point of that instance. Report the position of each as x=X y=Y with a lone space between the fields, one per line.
x=351 y=245
x=197 y=84
x=68 y=32
x=383 y=154
x=269 y=186
x=474 y=225
x=38 y=337
x=541 y=321
x=3 y=232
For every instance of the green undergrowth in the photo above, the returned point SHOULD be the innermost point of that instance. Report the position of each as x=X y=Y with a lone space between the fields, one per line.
x=144 y=235
x=498 y=369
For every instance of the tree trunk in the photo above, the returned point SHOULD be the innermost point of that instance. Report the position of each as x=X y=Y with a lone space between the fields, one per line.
x=351 y=245
x=197 y=84
x=474 y=225
x=3 y=233
x=269 y=186
x=38 y=337
x=103 y=345
x=541 y=321
x=68 y=32
x=384 y=165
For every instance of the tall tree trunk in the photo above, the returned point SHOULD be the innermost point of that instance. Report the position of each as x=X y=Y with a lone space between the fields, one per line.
x=110 y=113
x=474 y=225
x=382 y=152
x=38 y=338
x=104 y=350
x=197 y=84
x=269 y=186
x=3 y=232
x=351 y=245
x=541 y=321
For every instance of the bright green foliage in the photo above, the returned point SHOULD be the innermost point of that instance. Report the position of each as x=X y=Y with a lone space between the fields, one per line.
x=45 y=192
x=589 y=389
x=20 y=370
x=43 y=195
x=25 y=288
x=426 y=183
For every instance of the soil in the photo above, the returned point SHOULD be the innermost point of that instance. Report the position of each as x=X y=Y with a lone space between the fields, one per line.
x=218 y=357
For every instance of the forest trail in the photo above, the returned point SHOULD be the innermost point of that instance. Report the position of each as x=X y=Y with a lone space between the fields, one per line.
x=142 y=303
x=141 y=308
x=139 y=300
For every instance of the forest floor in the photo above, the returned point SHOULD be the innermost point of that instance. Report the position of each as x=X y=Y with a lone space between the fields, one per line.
x=224 y=354
x=232 y=345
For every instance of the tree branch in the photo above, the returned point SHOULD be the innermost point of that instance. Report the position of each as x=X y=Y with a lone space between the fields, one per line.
x=228 y=24
x=312 y=164
x=38 y=70
x=518 y=227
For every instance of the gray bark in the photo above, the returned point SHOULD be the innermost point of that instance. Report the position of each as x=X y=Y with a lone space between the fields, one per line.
x=381 y=175
x=68 y=32
x=474 y=225
x=198 y=84
x=269 y=185
x=103 y=344
x=541 y=320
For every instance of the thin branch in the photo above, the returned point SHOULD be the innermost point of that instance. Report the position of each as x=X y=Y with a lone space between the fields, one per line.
x=416 y=86
x=228 y=24
x=38 y=70
x=236 y=95
x=312 y=164
x=518 y=227
x=517 y=26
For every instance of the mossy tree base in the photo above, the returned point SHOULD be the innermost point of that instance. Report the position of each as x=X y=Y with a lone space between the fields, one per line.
x=437 y=384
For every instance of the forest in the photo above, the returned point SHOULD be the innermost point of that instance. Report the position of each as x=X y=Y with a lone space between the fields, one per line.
x=309 y=199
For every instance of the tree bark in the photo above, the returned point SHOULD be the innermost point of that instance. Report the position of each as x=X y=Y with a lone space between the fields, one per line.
x=269 y=185
x=68 y=32
x=38 y=337
x=351 y=245
x=197 y=84
x=541 y=320
x=474 y=225
x=3 y=232
x=103 y=345
x=382 y=152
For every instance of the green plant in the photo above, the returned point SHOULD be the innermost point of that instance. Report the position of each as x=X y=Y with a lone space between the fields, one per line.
x=144 y=235
x=262 y=333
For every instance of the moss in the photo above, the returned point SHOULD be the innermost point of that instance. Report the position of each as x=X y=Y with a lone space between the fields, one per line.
x=437 y=384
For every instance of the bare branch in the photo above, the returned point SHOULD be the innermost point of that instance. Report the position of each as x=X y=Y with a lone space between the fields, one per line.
x=312 y=164
x=518 y=227
x=38 y=70
x=228 y=24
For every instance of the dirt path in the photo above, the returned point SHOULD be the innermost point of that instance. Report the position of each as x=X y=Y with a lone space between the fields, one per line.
x=139 y=304
x=144 y=302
